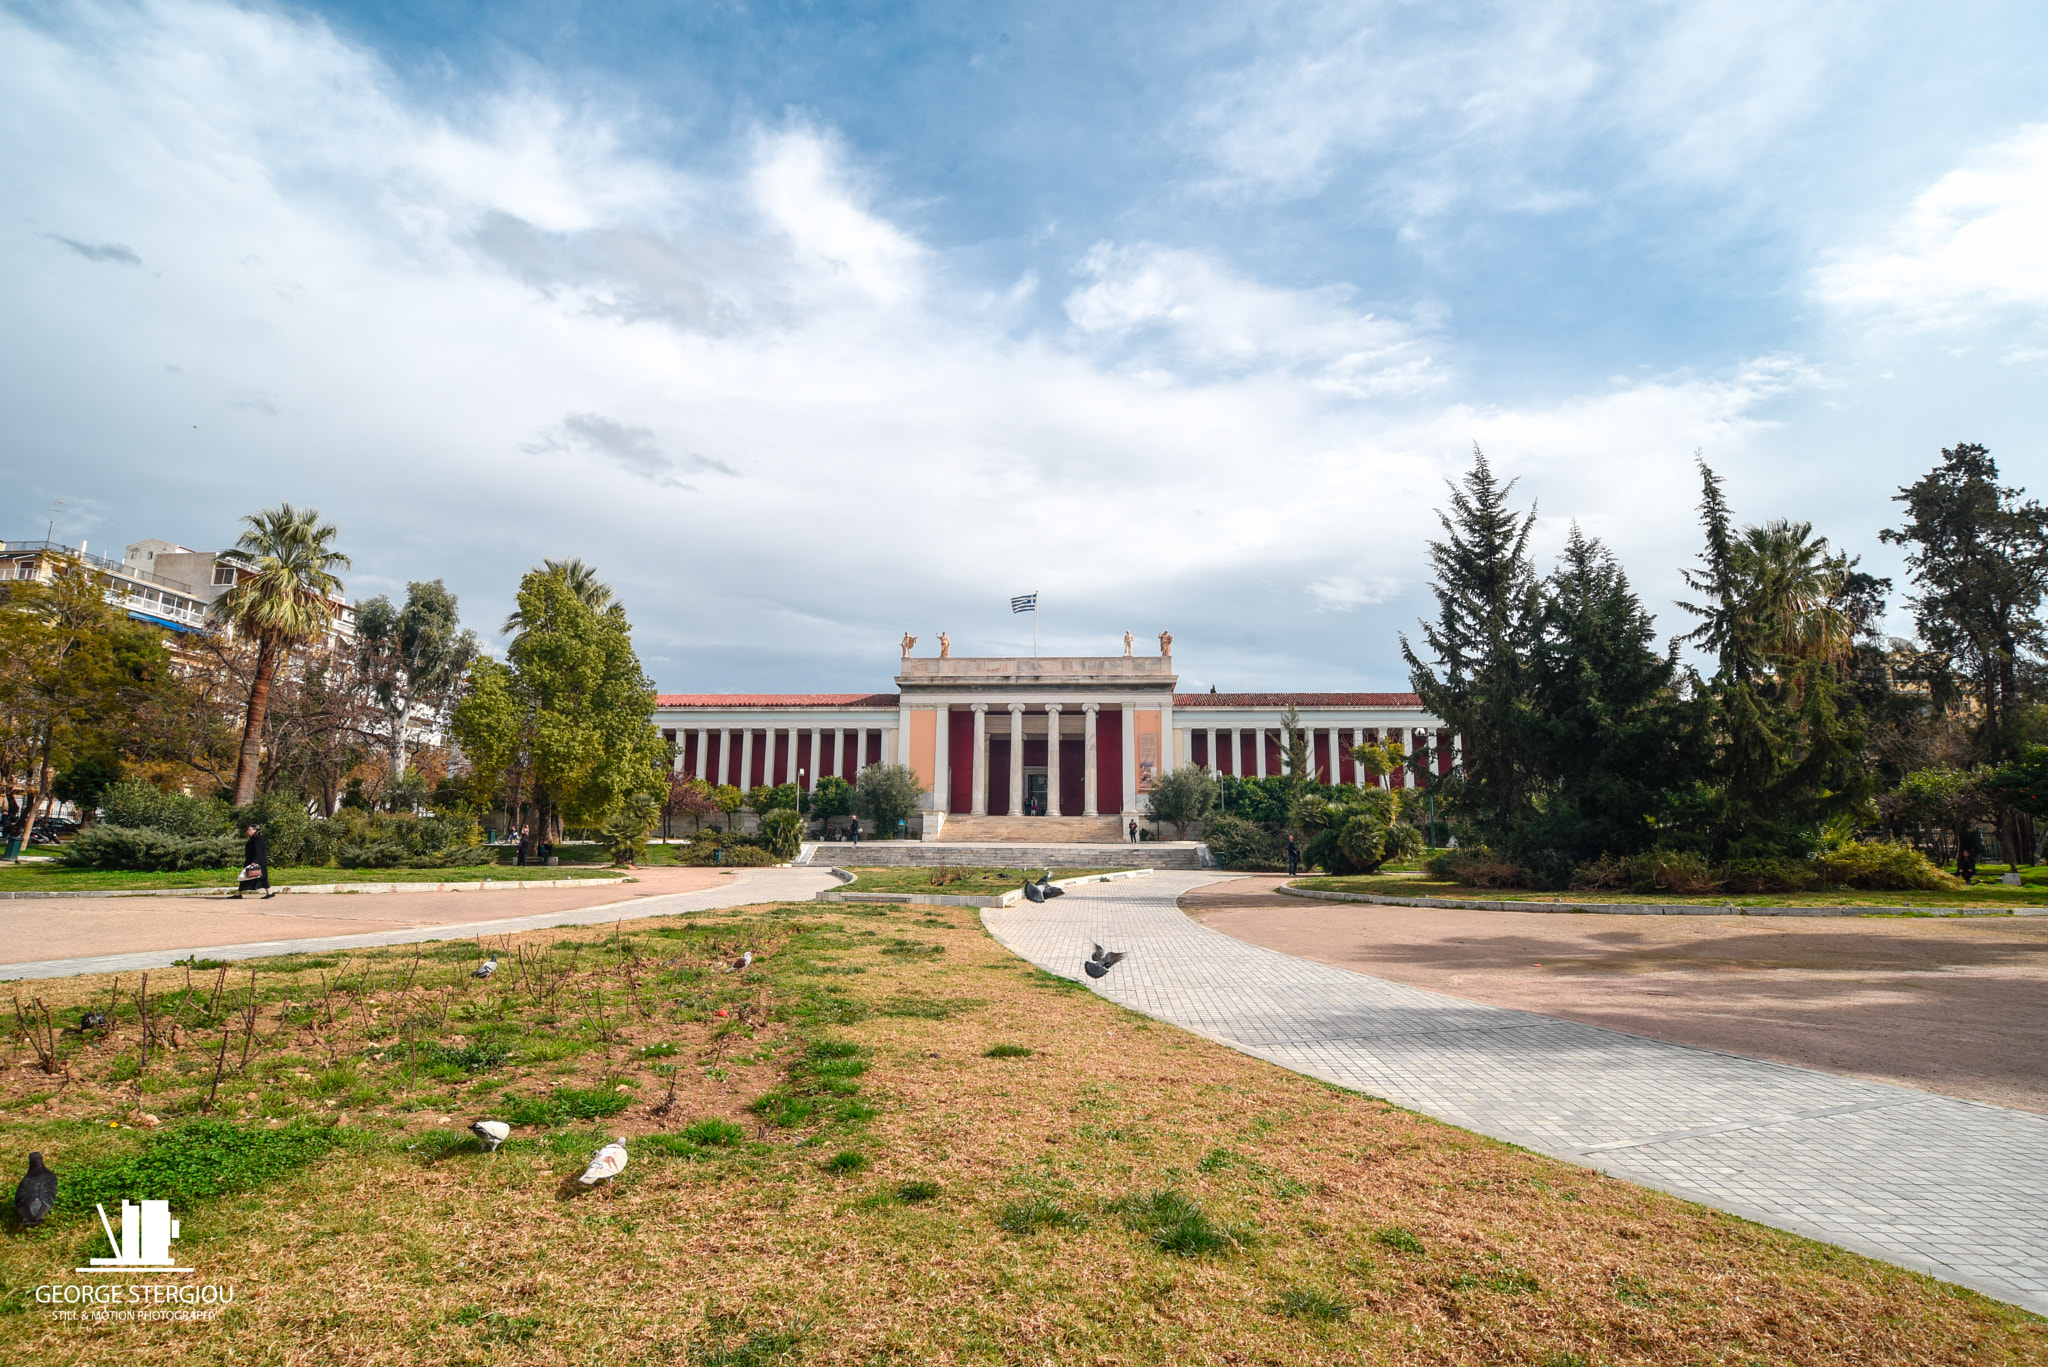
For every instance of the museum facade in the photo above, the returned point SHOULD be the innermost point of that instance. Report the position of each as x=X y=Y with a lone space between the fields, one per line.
x=1066 y=737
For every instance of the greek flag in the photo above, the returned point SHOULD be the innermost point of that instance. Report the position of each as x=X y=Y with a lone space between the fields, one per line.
x=1024 y=603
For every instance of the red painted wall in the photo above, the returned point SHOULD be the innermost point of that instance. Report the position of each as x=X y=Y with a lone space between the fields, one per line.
x=1109 y=760
x=999 y=776
x=1074 y=773
x=960 y=761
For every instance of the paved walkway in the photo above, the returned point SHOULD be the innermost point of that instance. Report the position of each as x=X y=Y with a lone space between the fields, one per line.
x=1954 y=1188
x=745 y=887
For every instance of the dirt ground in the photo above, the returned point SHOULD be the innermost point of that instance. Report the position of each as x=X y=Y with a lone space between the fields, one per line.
x=1949 y=1006
x=34 y=929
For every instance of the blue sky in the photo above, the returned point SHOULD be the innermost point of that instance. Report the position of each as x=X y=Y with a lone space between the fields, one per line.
x=812 y=324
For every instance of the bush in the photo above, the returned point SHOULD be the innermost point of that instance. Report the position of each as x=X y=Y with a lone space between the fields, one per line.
x=1675 y=871
x=1186 y=795
x=364 y=839
x=1240 y=844
x=782 y=833
x=105 y=846
x=1476 y=866
x=142 y=807
x=740 y=851
x=1880 y=865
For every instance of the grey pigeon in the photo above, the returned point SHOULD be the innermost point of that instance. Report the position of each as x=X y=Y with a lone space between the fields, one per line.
x=486 y=968
x=491 y=1133
x=36 y=1197
x=92 y=1020
x=1033 y=892
x=1045 y=886
x=1101 y=961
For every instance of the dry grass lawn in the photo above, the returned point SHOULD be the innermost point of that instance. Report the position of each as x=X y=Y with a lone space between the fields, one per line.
x=837 y=1170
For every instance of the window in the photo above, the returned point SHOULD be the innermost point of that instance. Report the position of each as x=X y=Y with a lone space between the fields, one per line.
x=223 y=574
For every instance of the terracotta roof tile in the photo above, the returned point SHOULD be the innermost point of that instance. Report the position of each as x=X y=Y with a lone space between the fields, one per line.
x=775 y=700
x=1280 y=700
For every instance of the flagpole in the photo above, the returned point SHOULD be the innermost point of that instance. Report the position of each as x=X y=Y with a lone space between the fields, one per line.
x=1034 y=624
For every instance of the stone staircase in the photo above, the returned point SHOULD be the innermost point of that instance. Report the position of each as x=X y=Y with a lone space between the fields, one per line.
x=1149 y=854
x=1033 y=830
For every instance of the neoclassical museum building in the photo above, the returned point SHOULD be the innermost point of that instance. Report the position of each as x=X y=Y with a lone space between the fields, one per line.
x=979 y=734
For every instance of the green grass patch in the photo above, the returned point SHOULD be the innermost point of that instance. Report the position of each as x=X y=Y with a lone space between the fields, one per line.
x=844 y=1162
x=1298 y=1303
x=58 y=878
x=1037 y=1213
x=715 y=1134
x=1397 y=1238
x=1006 y=1051
x=1174 y=1223
x=195 y=1162
x=564 y=1104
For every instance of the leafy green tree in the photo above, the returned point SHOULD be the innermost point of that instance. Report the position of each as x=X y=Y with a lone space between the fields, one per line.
x=1784 y=736
x=1483 y=643
x=74 y=674
x=1186 y=795
x=582 y=582
x=569 y=712
x=1979 y=556
x=690 y=797
x=888 y=795
x=775 y=797
x=285 y=602
x=730 y=799
x=413 y=659
x=833 y=797
x=85 y=780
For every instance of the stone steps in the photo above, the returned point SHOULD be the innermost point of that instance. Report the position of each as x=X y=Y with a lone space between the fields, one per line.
x=1149 y=854
x=1033 y=830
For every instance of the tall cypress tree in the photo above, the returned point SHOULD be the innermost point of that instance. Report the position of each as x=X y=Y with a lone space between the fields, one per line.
x=1489 y=619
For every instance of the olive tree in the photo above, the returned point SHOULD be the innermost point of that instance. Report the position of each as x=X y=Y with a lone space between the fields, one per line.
x=1186 y=795
x=888 y=795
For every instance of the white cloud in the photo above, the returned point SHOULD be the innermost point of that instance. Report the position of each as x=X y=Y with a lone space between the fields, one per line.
x=1974 y=241
x=482 y=335
x=1212 y=319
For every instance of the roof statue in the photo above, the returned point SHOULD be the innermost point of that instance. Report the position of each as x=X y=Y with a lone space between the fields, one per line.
x=1127 y=645
x=945 y=646
x=1166 y=644
x=909 y=644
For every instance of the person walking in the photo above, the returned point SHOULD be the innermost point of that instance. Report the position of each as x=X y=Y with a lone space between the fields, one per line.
x=255 y=856
x=523 y=846
x=856 y=830
x=1293 y=857
x=1134 y=830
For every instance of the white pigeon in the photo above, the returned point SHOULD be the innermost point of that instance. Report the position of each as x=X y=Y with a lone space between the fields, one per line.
x=491 y=1133
x=486 y=968
x=607 y=1163
x=743 y=963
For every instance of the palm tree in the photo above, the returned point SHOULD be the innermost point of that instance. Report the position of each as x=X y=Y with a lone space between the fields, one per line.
x=583 y=582
x=282 y=604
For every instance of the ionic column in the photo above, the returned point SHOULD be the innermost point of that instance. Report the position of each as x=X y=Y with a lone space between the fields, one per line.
x=1052 y=759
x=942 y=759
x=980 y=759
x=1259 y=743
x=1357 y=774
x=746 y=758
x=817 y=758
x=1457 y=752
x=1336 y=759
x=1088 y=710
x=1215 y=760
x=1016 y=759
x=702 y=734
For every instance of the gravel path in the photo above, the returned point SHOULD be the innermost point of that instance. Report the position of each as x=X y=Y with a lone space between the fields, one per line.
x=1954 y=1188
x=451 y=916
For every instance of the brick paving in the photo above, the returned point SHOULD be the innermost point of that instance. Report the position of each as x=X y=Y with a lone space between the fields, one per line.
x=1954 y=1188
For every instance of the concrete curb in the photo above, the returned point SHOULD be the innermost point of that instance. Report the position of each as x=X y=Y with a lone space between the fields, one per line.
x=1009 y=898
x=1652 y=909
x=490 y=884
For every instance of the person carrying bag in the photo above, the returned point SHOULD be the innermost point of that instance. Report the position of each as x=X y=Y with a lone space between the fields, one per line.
x=255 y=864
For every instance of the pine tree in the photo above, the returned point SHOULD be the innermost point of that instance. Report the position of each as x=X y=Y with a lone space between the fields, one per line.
x=1489 y=620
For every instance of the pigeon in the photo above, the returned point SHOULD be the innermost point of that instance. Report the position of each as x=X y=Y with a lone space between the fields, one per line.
x=1033 y=892
x=1045 y=886
x=1101 y=961
x=743 y=963
x=608 y=1162
x=92 y=1020
x=491 y=1133
x=36 y=1197
x=486 y=968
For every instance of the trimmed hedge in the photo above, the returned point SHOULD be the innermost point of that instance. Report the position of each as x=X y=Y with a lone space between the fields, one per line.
x=122 y=847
